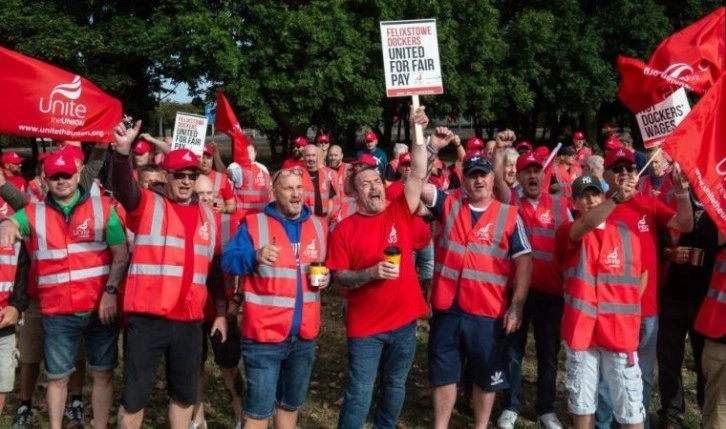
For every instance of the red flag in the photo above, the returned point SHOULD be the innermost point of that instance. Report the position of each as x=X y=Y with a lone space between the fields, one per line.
x=226 y=122
x=695 y=54
x=41 y=100
x=642 y=86
x=698 y=145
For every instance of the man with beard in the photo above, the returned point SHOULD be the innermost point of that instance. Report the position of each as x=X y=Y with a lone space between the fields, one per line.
x=384 y=297
x=319 y=184
x=274 y=250
x=11 y=165
x=371 y=140
x=296 y=154
x=644 y=214
x=482 y=246
x=541 y=214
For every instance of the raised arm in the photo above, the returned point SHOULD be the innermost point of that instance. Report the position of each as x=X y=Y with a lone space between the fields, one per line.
x=683 y=219
x=126 y=190
x=163 y=146
x=504 y=140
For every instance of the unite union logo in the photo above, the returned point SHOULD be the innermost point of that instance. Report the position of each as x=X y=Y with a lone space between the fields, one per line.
x=260 y=178
x=546 y=217
x=204 y=231
x=483 y=233
x=187 y=157
x=393 y=235
x=82 y=230
x=62 y=104
x=643 y=224
x=311 y=250
x=612 y=259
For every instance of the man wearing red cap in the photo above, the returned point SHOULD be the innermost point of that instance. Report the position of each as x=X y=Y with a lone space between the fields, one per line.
x=371 y=141
x=224 y=200
x=143 y=152
x=541 y=214
x=296 y=154
x=645 y=215
x=523 y=147
x=319 y=183
x=79 y=245
x=174 y=263
x=582 y=151
x=11 y=163
x=565 y=172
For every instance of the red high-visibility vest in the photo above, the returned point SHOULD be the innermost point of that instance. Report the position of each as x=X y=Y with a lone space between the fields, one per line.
x=583 y=154
x=348 y=207
x=566 y=178
x=473 y=260
x=8 y=269
x=154 y=282
x=270 y=292
x=217 y=179
x=711 y=319
x=72 y=257
x=228 y=225
x=254 y=194
x=5 y=209
x=342 y=173
x=326 y=182
x=602 y=292
x=35 y=193
x=541 y=224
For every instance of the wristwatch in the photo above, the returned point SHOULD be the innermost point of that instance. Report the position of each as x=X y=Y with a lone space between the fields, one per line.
x=111 y=289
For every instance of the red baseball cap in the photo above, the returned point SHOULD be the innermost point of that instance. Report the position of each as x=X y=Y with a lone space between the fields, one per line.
x=616 y=156
x=60 y=163
x=523 y=146
x=208 y=150
x=322 y=138
x=370 y=136
x=11 y=158
x=474 y=143
x=528 y=159
x=613 y=144
x=301 y=141
x=578 y=135
x=74 y=152
x=142 y=147
x=367 y=160
x=181 y=159
x=542 y=151
x=405 y=158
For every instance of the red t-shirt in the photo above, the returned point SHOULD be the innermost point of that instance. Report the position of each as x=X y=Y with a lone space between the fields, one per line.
x=421 y=230
x=17 y=181
x=357 y=243
x=644 y=215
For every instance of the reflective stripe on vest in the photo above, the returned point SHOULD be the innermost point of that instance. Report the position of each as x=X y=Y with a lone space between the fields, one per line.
x=492 y=250
x=624 y=279
x=217 y=183
x=84 y=274
x=8 y=269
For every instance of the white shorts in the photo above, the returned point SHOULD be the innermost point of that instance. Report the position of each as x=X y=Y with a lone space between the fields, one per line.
x=8 y=362
x=583 y=371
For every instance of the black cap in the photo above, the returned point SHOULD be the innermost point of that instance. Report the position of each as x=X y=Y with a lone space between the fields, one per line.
x=476 y=162
x=583 y=183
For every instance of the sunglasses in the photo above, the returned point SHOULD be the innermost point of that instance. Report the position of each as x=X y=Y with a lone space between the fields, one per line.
x=182 y=176
x=286 y=172
x=624 y=167
x=57 y=177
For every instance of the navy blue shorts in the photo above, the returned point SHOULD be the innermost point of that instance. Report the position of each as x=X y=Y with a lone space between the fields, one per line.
x=479 y=342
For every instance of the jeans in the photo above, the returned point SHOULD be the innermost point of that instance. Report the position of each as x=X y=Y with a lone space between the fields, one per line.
x=646 y=359
x=277 y=374
x=676 y=321
x=389 y=354
x=545 y=312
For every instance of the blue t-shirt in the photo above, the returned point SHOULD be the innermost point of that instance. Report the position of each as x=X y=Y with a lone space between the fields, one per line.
x=379 y=155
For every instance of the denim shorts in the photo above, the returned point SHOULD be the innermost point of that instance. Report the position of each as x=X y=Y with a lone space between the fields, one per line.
x=277 y=374
x=62 y=335
x=583 y=371
x=478 y=341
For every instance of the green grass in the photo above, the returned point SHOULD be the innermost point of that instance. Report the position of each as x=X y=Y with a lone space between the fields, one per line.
x=328 y=384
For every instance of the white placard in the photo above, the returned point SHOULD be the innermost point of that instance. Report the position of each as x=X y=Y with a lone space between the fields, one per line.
x=411 y=58
x=190 y=132
x=658 y=121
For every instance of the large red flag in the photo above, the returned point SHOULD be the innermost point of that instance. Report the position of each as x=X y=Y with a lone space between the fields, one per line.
x=41 y=100
x=695 y=54
x=642 y=86
x=698 y=145
x=226 y=122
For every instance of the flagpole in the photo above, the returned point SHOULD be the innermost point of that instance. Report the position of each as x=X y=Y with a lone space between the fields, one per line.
x=419 y=128
x=652 y=157
x=552 y=155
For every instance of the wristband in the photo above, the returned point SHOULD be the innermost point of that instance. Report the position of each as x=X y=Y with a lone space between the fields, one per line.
x=682 y=195
x=237 y=298
x=616 y=198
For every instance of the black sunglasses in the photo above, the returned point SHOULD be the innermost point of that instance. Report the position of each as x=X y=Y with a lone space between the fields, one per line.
x=617 y=169
x=57 y=177
x=182 y=176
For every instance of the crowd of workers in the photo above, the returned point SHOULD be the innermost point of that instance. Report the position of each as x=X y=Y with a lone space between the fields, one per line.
x=176 y=253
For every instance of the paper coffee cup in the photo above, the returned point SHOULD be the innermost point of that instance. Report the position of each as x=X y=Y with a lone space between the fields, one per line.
x=393 y=254
x=696 y=257
x=317 y=274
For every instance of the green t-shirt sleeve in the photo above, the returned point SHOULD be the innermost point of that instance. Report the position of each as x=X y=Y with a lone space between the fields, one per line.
x=22 y=219
x=115 y=232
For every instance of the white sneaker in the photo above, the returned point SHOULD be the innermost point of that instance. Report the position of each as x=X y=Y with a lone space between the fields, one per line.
x=550 y=421
x=507 y=419
x=239 y=425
